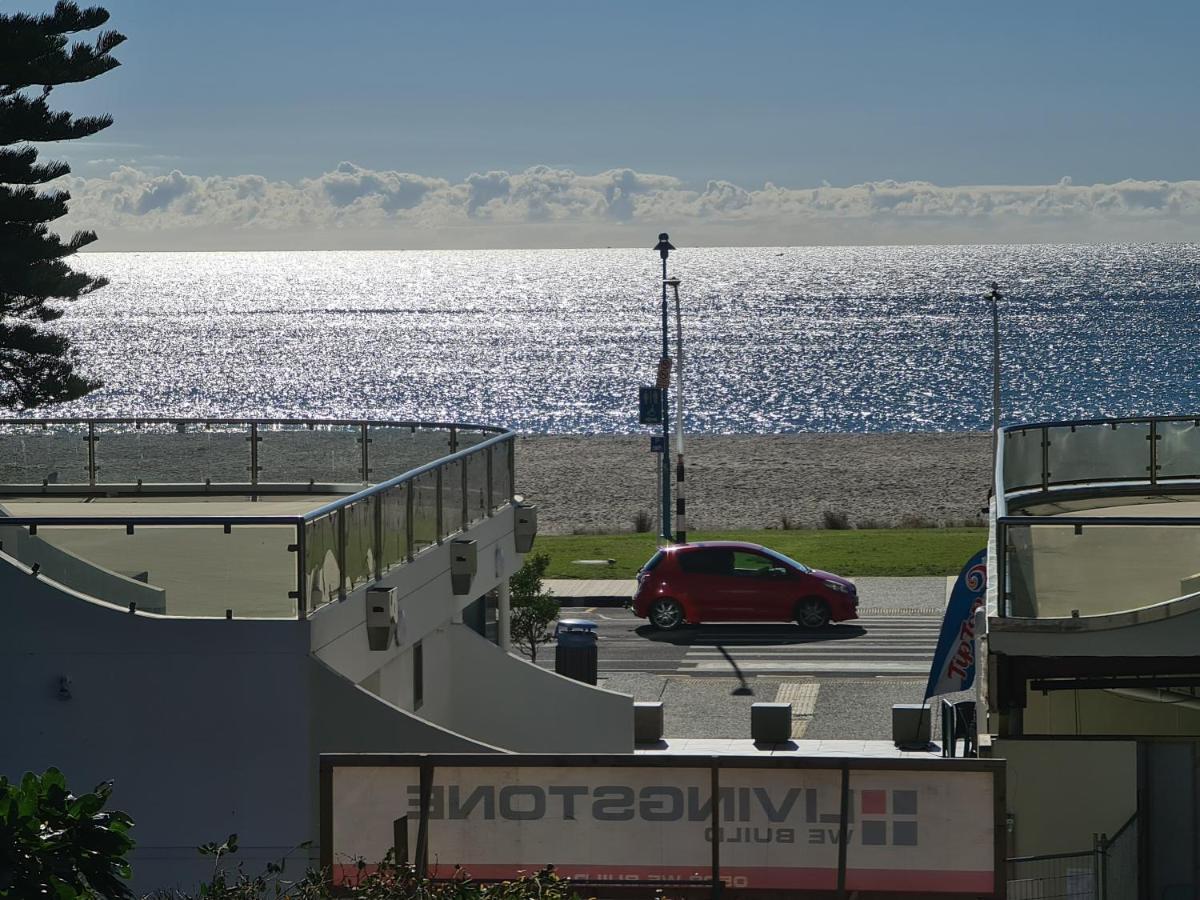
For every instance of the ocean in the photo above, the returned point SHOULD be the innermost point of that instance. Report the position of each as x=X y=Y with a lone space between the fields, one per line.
x=776 y=340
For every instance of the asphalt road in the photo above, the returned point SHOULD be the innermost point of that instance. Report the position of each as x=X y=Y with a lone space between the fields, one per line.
x=879 y=644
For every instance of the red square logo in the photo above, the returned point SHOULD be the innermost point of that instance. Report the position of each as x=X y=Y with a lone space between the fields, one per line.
x=874 y=803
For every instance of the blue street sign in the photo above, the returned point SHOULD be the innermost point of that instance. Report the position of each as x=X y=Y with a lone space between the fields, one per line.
x=656 y=443
x=650 y=405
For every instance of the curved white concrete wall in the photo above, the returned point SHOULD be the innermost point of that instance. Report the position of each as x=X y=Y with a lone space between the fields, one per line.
x=507 y=701
x=207 y=727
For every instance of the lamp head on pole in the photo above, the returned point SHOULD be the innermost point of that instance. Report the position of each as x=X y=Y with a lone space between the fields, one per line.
x=663 y=246
x=995 y=294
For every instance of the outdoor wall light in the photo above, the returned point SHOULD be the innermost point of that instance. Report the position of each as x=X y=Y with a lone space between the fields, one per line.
x=64 y=688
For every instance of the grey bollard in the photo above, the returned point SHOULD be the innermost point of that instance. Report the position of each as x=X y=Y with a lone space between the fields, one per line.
x=647 y=723
x=771 y=723
x=910 y=725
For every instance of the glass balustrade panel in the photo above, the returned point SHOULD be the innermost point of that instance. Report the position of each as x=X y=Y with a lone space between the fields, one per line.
x=424 y=511
x=1054 y=571
x=172 y=453
x=1179 y=449
x=477 y=486
x=1084 y=453
x=323 y=571
x=176 y=570
x=1022 y=459
x=396 y=449
x=394 y=519
x=360 y=542
x=502 y=490
x=469 y=437
x=452 y=497
x=35 y=454
x=297 y=454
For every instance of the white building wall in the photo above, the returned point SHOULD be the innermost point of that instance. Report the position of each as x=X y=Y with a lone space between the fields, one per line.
x=206 y=727
x=210 y=727
x=508 y=701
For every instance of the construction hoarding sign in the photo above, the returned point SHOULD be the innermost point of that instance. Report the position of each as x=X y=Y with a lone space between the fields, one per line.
x=752 y=824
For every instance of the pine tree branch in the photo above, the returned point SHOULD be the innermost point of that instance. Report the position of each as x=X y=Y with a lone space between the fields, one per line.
x=30 y=119
x=20 y=166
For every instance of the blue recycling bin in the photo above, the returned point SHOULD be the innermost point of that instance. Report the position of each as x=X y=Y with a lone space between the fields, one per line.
x=576 y=654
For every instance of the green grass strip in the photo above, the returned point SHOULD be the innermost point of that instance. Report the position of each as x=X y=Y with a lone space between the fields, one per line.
x=882 y=552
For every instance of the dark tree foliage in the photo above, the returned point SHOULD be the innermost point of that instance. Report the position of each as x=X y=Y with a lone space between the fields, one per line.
x=37 y=365
x=54 y=844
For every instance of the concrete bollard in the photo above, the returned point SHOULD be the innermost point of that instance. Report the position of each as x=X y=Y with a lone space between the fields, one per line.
x=910 y=724
x=771 y=723
x=647 y=723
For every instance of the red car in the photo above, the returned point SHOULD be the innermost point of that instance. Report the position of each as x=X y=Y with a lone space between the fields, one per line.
x=728 y=581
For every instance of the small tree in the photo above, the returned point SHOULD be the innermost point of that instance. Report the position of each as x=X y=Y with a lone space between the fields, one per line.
x=37 y=366
x=54 y=844
x=533 y=609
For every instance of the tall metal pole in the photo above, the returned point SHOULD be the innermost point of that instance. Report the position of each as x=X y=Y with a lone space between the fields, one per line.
x=664 y=247
x=995 y=297
x=680 y=497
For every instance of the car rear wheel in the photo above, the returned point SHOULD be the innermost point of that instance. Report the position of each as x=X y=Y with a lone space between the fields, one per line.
x=812 y=613
x=666 y=615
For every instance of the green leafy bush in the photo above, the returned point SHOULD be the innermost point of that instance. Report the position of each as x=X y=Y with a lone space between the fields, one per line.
x=386 y=881
x=533 y=609
x=59 y=846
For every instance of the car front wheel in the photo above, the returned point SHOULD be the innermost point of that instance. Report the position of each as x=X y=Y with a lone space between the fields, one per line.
x=666 y=615
x=812 y=613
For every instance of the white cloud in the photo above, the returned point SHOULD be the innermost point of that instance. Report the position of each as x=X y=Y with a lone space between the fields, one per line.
x=351 y=206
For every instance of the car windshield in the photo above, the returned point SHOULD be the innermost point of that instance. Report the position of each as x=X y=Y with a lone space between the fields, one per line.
x=786 y=559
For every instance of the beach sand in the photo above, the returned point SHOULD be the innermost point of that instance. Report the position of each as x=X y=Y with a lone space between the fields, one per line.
x=600 y=483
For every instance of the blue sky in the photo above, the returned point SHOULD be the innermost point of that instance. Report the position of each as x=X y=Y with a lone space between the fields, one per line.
x=792 y=93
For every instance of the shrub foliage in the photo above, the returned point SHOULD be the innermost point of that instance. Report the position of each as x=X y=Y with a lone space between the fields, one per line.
x=56 y=845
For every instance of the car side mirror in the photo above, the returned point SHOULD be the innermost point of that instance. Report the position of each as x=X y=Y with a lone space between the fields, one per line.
x=778 y=571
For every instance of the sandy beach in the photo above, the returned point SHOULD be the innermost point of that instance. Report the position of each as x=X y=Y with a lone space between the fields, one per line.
x=601 y=483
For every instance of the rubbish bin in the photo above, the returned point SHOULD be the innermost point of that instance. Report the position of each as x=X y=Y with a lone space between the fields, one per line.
x=576 y=654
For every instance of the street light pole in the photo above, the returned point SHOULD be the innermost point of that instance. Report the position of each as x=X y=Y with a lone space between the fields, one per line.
x=664 y=247
x=680 y=499
x=995 y=297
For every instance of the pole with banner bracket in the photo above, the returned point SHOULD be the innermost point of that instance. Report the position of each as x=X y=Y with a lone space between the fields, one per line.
x=664 y=247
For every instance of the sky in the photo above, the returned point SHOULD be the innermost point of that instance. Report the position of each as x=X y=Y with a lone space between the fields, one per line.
x=410 y=124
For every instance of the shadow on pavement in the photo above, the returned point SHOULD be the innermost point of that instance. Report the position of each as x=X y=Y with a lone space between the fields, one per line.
x=744 y=635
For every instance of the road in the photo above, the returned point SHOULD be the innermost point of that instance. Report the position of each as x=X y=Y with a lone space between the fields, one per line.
x=894 y=636
x=877 y=644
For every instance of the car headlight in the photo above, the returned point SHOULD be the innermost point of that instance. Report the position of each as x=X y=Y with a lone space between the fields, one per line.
x=837 y=586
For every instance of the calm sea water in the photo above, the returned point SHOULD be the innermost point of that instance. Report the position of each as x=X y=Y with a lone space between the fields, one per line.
x=777 y=340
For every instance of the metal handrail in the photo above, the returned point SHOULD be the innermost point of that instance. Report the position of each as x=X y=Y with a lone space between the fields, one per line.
x=299 y=521
x=188 y=420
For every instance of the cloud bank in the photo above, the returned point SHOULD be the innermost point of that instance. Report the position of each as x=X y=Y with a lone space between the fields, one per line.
x=544 y=206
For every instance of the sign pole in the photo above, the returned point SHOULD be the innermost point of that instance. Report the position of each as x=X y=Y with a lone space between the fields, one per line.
x=658 y=470
x=995 y=297
x=680 y=498
x=664 y=247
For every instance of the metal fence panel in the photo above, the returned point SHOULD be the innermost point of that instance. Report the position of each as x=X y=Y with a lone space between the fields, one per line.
x=1059 y=876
